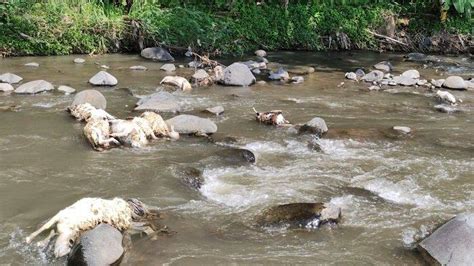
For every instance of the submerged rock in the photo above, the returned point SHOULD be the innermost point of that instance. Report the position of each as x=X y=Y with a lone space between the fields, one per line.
x=297 y=79
x=351 y=76
x=237 y=74
x=32 y=64
x=99 y=246
x=35 y=86
x=236 y=155
x=444 y=108
x=10 y=78
x=217 y=110
x=191 y=177
x=93 y=97
x=297 y=215
x=372 y=76
x=260 y=53
x=79 y=60
x=402 y=129
x=103 y=79
x=6 y=87
x=159 y=102
x=280 y=74
x=416 y=57
x=66 y=89
x=138 y=68
x=156 y=53
x=452 y=243
x=190 y=124
x=455 y=83
x=384 y=66
x=359 y=73
x=178 y=82
x=168 y=67
x=316 y=126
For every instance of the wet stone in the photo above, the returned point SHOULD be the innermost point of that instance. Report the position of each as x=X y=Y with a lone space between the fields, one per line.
x=156 y=53
x=10 y=78
x=93 y=97
x=159 y=102
x=79 y=60
x=6 y=87
x=138 y=68
x=103 y=79
x=168 y=67
x=66 y=89
x=455 y=83
x=35 y=86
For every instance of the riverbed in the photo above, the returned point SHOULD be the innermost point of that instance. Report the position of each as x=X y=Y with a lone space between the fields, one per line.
x=388 y=188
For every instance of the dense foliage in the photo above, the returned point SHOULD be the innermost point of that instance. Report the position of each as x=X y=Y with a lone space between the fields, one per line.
x=98 y=26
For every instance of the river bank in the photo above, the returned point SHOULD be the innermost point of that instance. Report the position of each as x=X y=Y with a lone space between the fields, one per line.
x=58 y=28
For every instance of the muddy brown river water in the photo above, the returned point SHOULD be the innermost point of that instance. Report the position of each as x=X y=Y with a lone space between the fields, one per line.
x=388 y=188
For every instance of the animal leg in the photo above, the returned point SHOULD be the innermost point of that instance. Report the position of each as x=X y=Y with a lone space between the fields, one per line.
x=142 y=227
x=44 y=243
x=46 y=226
x=112 y=140
x=118 y=135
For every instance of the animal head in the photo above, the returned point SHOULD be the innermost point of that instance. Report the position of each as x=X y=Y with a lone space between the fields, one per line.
x=63 y=244
x=173 y=134
x=139 y=209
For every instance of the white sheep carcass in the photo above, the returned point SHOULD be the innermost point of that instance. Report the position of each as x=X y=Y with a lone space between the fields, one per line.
x=97 y=132
x=274 y=117
x=159 y=126
x=145 y=126
x=446 y=97
x=128 y=132
x=87 y=213
x=85 y=111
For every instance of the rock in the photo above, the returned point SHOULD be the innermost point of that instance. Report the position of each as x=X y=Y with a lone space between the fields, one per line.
x=469 y=84
x=254 y=65
x=405 y=81
x=217 y=110
x=359 y=73
x=402 y=129
x=194 y=64
x=261 y=82
x=392 y=83
x=189 y=52
x=235 y=156
x=159 y=102
x=93 y=97
x=416 y=57
x=104 y=66
x=6 y=87
x=300 y=70
x=181 y=66
x=200 y=75
x=99 y=246
x=178 y=82
x=32 y=64
x=299 y=215
x=388 y=76
x=372 y=76
x=438 y=83
x=262 y=60
x=103 y=79
x=422 y=82
x=156 y=53
x=446 y=97
x=280 y=74
x=384 y=66
x=444 y=108
x=79 y=60
x=191 y=177
x=35 y=86
x=455 y=83
x=237 y=74
x=256 y=71
x=190 y=124
x=316 y=126
x=260 y=53
x=297 y=79
x=66 y=89
x=10 y=78
x=168 y=67
x=452 y=243
x=413 y=74
x=138 y=68
x=375 y=88
x=351 y=76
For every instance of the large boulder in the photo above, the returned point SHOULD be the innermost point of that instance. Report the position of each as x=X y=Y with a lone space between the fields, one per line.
x=372 y=76
x=99 y=246
x=35 y=86
x=6 y=87
x=299 y=215
x=455 y=83
x=93 y=97
x=190 y=124
x=10 y=78
x=384 y=66
x=159 y=102
x=156 y=53
x=168 y=67
x=316 y=126
x=452 y=243
x=237 y=74
x=103 y=79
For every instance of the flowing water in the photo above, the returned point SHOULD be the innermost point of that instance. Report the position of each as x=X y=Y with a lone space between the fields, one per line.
x=388 y=188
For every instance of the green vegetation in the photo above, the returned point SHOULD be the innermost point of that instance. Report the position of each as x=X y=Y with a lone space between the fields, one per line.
x=48 y=27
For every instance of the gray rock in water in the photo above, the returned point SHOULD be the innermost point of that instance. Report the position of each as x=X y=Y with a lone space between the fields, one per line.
x=6 y=87
x=191 y=177
x=79 y=60
x=260 y=53
x=402 y=129
x=359 y=73
x=200 y=75
x=350 y=76
x=444 y=108
x=168 y=67
x=256 y=71
x=93 y=97
x=190 y=124
x=234 y=155
x=32 y=64
x=194 y=64
x=10 y=78
x=280 y=74
x=66 y=89
x=238 y=74
x=375 y=88
x=217 y=110
x=316 y=126
x=416 y=57
x=452 y=243
x=156 y=53
x=99 y=246
x=159 y=102
x=455 y=83
x=384 y=66
x=35 y=86
x=254 y=65
x=297 y=215
x=412 y=73
x=405 y=81
x=372 y=76
x=138 y=68
x=438 y=83
x=103 y=79
x=297 y=79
